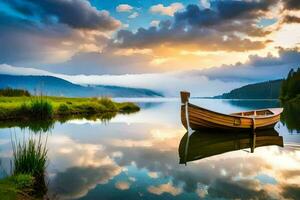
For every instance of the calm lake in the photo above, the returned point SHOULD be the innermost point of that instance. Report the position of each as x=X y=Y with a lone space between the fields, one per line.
x=136 y=156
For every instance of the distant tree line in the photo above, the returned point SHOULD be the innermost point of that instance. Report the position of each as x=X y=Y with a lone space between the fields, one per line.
x=263 y=90
x=290 y=87
x=10 y=92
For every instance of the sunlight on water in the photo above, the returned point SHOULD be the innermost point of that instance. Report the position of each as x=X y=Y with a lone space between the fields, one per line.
x=137 y=156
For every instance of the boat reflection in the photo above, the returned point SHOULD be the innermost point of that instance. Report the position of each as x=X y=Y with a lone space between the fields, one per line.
x=203 y=144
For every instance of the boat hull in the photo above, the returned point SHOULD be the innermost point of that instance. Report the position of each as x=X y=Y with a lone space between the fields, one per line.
x=200 y=118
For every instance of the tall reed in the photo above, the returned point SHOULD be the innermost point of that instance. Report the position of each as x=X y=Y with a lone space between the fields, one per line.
x=30 y=157
x=107 y=103
x=41 y=108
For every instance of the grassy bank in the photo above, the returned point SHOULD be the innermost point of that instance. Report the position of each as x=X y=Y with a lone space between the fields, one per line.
x=36 y=107
x=27 y=179
x=17 y=187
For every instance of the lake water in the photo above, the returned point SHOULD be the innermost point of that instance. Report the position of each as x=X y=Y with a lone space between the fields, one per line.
x=136 y=157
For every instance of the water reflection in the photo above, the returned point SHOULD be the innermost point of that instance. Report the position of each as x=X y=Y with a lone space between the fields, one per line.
x=254 y=104
x=34 y=126
x=290 y=116
x=203 y=144
x=37 y=126
x=136 y=157
x=30 y=159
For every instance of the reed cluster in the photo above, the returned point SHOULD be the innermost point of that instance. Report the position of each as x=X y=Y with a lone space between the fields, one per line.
x=27 y=178
x=38 y=108
x=29 y=158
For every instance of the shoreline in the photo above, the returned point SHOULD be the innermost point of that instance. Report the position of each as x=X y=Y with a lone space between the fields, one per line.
x=36 y=108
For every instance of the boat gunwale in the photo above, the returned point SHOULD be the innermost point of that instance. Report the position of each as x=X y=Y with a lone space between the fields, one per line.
x=237 y=116
x=258 y=110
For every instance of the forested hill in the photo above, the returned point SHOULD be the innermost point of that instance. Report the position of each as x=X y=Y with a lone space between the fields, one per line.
x=290 y=87
x=263 y=90
x=54 y=86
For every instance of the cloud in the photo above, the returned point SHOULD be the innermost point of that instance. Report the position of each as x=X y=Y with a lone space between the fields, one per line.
x=218 y=79
x=243 y=189
x=30 y=45
x=156 y=81
x=41 y=39
x=266 y=161
x=271 y=161
x=205 y=40
x=61 y=37
x=76 y=182
x=223 y=12
x=124 y=8
x=165 y=188
x=257 y=68
x=122 y=185
x=105 y=62
x=130 y=143
x=76 y=14
x=166 y=10
x=205 y=3
x=204 y=29
x=11 y=70
x=22 y=8
x=211 y=181
x=154 y=23
x=25 y=42
x=153 y=175
x=133 y=15
x=242 y=9
x=82 y=166
x=288 y=19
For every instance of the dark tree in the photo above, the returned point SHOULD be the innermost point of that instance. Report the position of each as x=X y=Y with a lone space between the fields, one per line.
x=10 y=92
x=290 y=87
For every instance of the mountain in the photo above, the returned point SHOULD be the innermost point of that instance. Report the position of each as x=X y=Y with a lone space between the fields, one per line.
x=54 y=86
x=263 y=90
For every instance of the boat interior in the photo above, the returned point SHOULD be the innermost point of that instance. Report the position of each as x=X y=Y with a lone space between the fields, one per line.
x=254 y=113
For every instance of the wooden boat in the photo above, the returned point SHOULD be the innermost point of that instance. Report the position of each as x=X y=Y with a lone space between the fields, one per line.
x=196 y=118
x=209 y=143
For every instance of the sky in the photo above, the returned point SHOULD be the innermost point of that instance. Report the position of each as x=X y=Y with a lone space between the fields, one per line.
x=166 y=45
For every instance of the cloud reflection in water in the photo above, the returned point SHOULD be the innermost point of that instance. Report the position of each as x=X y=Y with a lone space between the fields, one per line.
x=140 y=160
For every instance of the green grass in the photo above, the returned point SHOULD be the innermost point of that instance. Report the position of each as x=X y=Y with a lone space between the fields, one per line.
x=30 y=158
x=38 y=108
x=28 y=178
x=59 y=107
x=16 y=187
